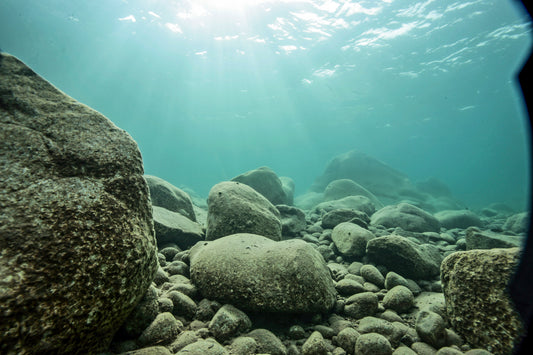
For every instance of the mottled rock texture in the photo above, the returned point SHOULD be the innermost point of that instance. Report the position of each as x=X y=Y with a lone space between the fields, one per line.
x=258 y=274
x=477 y=304
x=77 y=246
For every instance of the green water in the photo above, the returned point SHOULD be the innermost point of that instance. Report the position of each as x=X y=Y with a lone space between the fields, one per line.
x=211 y=89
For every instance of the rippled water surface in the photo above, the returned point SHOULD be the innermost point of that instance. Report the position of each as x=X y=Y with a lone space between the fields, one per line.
x=210 y=89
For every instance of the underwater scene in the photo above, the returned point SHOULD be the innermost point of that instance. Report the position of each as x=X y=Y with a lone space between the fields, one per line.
x=263 y=177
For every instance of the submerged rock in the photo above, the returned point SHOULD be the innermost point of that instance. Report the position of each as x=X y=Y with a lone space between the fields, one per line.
x=374 y=175
x=405 y=257
x=172 y=227
x=477 y=304
x=517 y=223
x=335 y=217
x=76 y=234
x=292 y=220
x=477 y=239
x=350 y=239
x=358 y=203
x=267 y=183
x=237 y=208
x=341 y=188
x=407 y=217
x=166 y=195
x=458 y=219
x=258 y=274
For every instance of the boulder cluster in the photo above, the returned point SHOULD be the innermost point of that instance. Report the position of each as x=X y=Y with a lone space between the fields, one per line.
x=347 y=276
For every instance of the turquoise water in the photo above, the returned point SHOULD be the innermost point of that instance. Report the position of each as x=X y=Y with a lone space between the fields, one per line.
x=210 y=89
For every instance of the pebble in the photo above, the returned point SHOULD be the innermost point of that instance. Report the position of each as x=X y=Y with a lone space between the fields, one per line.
x=372 y=275
x=399 y=299
x=393 y=279
x=347 y=338
x=361 y=305
x=204 y=347
x=228 y=322
x=315 y=345
x=431 y=328
x=372 y=344
x=348 y=287
x=296 y=332
x=423 y=349
x=163 y=330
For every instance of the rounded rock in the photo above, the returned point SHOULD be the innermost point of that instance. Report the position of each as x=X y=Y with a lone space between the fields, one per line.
x=372 y=275
x=163 y=330
x=431 y=328
x=315 y=345
x=372 y=344
x=399 y=299
x=361 y=305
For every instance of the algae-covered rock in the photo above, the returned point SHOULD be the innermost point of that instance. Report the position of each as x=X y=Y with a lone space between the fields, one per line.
x=406 y=258
x=77 y=245
x=259 y=274
x=477 y=304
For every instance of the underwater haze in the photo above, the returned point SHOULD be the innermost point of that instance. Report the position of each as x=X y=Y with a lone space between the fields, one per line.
x=210 y=89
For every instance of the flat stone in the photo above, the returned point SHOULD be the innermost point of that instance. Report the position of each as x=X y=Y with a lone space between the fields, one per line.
x=172 y=227
x=477 y=239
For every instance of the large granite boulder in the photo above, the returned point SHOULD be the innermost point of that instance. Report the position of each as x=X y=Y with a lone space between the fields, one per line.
x=237 y=208
x=477 y=304
x=374 y=175
x=172 y=227
x=77 y=245
x=341 y=188
x=260 y=275
x=267 y=183
x=406 y=258
x=407 y=217
x=478 y=239
x=458 y=219
x=166 y=195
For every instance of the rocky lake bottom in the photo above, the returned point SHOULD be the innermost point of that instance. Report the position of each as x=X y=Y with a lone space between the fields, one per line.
x=385 y=296
x=98 y=258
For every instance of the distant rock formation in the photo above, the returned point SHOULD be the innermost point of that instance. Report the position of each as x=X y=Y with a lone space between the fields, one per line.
x=77 y=246
x=356 y=173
